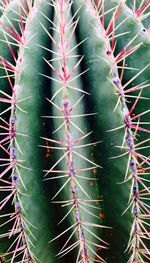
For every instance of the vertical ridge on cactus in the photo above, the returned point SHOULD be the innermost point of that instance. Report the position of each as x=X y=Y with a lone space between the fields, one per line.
x=74 y=163
x=74 y=131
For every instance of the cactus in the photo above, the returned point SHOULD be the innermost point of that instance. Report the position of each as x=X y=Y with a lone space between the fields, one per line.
x=74 y=131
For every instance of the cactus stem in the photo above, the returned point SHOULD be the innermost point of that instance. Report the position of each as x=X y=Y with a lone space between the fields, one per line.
x=69 y=150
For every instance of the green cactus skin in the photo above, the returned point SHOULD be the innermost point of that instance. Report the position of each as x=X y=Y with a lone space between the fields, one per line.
x=62 y=72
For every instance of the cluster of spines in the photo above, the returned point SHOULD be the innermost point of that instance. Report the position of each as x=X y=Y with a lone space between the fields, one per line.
x=64 y=76
x=3 y=4
x=139 y=9
x=138 y=164
x=19 y=249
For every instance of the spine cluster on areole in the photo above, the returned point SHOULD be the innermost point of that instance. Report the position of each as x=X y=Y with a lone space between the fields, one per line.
x=136 y=161
x=20 y=246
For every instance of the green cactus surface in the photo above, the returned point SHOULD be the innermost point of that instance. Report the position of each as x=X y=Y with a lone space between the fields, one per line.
x=74 y=131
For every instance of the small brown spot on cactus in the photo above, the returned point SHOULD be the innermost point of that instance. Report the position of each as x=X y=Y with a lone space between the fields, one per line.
x=142 y=171
x=94 y=171
x=91 y=183
x=48 y=150
x=101 y=216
